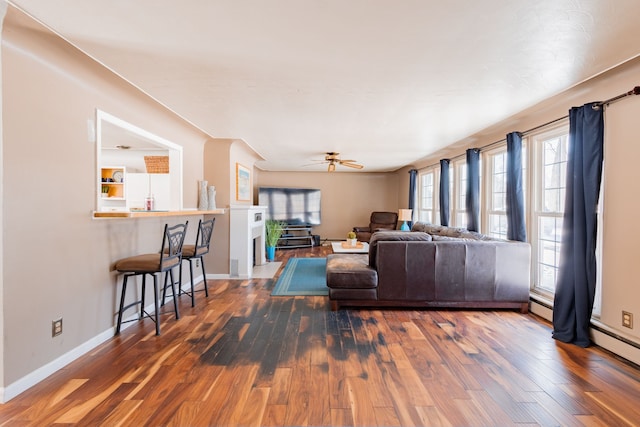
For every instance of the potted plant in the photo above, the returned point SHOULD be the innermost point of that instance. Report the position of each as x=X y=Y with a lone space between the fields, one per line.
x=351 y=239
x=274 y=230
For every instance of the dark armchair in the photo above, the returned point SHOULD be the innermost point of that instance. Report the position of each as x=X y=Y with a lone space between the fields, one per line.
x=378 y=221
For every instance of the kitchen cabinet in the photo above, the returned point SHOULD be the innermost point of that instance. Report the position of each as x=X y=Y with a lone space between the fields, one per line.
x=141 y=185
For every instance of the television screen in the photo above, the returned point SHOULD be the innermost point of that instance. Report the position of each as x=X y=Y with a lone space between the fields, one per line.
x=293 y=205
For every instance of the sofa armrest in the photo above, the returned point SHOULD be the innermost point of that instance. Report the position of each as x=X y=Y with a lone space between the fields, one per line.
x=361 y=229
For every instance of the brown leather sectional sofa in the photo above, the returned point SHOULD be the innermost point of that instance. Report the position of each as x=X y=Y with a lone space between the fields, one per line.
x=432 y=266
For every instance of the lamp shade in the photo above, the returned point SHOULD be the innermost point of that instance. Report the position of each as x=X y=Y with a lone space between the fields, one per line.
x=404 y=214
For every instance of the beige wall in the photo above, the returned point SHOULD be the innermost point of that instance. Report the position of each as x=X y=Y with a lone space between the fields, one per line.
x=217 y=173
x=60 y=260
x=347 y=198
x=3 y=9
x=621 y=206
x=220 y=158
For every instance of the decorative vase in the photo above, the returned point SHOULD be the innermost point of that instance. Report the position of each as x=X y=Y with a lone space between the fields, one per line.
x=203 y=199
x=352 y=242
x=211 y=195
x=271 y=253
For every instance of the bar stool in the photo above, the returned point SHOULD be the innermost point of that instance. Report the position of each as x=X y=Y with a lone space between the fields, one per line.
x=155 y=264
x=195 y=252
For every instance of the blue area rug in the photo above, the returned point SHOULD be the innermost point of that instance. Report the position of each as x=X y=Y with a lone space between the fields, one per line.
x=303 y=276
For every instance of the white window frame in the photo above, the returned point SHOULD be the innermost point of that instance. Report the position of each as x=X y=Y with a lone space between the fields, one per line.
x=458 y=192
x=490 y=174
x=537 y=212
x=434 y=209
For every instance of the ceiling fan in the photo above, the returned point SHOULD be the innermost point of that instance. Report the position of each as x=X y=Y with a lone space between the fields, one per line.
x=333 y=159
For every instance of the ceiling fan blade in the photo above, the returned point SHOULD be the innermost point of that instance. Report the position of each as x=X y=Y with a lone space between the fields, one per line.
x=315 y=163
x=351 y=165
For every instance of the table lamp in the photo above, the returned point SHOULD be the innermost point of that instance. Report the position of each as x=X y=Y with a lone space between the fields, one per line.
x=404 y=215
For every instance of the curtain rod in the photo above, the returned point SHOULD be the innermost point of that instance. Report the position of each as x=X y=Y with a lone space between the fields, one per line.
x=596 y=106
x=634 y=91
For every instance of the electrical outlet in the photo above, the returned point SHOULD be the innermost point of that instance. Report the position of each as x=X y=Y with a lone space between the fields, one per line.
x=198 y=262
x=56 y=327
x=627 y=319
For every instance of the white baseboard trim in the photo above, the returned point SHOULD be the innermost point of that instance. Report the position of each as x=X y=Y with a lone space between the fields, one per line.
x=602 y=335
x=33 y=378
x=614 y=341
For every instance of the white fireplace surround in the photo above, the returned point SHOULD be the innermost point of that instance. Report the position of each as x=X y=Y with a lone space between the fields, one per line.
x=246 y=234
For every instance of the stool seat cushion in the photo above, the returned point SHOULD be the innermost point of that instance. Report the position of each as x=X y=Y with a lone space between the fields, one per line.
x=191 y=251
x=188 y=251
x=145 y=263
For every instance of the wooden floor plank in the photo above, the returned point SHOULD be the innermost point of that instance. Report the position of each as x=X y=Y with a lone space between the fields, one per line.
x=319 y=409
x=254 y=408
x=243 y=357
x=361 y=406
x=341 y=417
x=120 y=414
x=300 y=397
x=280 y=386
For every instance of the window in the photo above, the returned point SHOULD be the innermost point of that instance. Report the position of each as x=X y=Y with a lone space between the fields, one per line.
x=550 y=177
x=428 y=210
x=112 y=132
x=497 y=194
x=496 y=212
x=459 y=194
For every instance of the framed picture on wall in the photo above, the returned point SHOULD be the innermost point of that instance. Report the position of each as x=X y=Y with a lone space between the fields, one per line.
x=243 y=183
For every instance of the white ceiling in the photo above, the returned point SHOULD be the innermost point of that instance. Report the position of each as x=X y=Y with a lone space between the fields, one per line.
x=383 y=82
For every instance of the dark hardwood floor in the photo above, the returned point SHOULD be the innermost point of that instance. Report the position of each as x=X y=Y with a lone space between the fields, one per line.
x=242 y=357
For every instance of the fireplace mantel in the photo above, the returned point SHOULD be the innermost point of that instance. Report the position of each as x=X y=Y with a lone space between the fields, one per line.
x=246 y=235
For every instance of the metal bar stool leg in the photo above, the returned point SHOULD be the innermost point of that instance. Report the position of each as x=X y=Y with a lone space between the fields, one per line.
x=193 y=294
x=122 y=295
x=164 y=291
x=204 y=278
x=175 y=296
x=144 y=291
x=180 y=278
x=155 y=297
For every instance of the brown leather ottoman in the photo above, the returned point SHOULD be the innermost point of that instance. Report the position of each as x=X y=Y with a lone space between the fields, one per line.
x=349 y=277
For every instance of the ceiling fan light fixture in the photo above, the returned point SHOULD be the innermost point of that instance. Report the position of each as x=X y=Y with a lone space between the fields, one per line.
x=332 y=159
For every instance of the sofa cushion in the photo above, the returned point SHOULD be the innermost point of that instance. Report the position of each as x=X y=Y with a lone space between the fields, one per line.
x=438 y=238
x=404 y=236
x=451 y=232
x=474 y=235
x=350 y=271
x=438 y=230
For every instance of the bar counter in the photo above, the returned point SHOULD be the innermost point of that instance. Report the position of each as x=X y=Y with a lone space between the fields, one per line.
x=153 y=214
